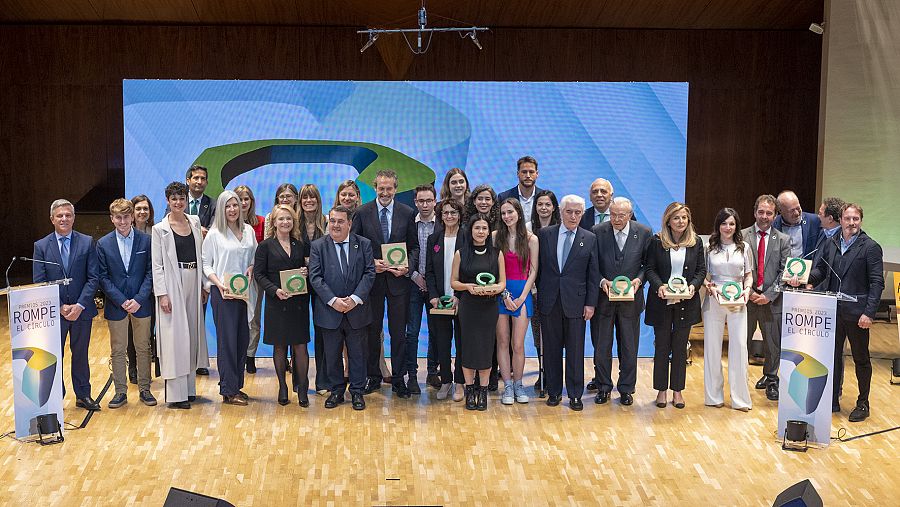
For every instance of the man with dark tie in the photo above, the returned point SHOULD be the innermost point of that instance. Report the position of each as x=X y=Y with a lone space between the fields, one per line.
x=342 y=271
x=69 y=254
x=567 y=289
x=126 y=278
x=769 y=251
x=601 y=194
x=801 y=227
x=384 y=221
x=527 y=172
x=622 y=245
x=851 y=263
x=202 y=206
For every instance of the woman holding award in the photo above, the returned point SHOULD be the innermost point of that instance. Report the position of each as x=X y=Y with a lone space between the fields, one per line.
x=478 y=275
x=676 y=269
x=728 y=279
x=228 y=252
x=287 y=310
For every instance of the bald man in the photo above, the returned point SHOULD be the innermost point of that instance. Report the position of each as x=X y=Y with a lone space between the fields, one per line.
x=803 y=228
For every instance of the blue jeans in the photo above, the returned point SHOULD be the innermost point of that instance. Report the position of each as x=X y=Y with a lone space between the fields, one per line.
x=417 y=301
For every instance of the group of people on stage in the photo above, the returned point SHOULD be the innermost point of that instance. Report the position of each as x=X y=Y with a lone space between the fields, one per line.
x=497 y=262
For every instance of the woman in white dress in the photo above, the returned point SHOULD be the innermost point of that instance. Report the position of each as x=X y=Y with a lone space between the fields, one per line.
x=728 y=260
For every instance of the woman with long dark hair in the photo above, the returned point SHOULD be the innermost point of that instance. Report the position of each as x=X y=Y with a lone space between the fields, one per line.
x=520 y=253
x=728 y=260
x=675 y=250
x=544 y=213
x=312 y=227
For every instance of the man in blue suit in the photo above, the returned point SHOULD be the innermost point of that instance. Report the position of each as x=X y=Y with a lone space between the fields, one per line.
x=527 y=172
x=568 y=284
x=65 y=253
x=127 y=281
x=342 y=272
x=803 y=228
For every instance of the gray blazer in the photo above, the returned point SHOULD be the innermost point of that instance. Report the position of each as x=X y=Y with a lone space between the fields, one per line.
x=778 y=249
x=329 y=282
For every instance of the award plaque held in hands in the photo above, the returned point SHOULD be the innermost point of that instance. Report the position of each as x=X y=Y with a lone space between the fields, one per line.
x=293 y=282
x=677 y=288
x=445 y=307
x=394 y=254
x=237 y=286
x=620 y=289
x=731 y=295
x=795 y=266
x=487 y=285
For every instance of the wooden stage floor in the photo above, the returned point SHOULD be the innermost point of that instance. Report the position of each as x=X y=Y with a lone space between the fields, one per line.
x=424 y=451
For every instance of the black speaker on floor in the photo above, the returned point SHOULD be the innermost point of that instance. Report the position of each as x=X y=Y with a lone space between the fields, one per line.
x=183 y=498
x=802 y=494
x=757 y=348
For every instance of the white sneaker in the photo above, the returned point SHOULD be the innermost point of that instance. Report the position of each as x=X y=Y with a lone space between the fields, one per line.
x=519 y=390
x=457 y=392
x=507 y=398
x=444 y=391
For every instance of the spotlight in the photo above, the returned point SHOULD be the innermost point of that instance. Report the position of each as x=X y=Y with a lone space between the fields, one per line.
x=474 y=38
x=794 y=432
x=818 y=28
x=49 y=425
x=895 y=371
x=372 y=38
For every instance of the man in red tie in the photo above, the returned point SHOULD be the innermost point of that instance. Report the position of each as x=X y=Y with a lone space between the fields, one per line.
x=770 y=249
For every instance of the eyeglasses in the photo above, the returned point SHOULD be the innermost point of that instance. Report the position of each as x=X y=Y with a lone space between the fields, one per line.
x=451 y=213
x=424 y=201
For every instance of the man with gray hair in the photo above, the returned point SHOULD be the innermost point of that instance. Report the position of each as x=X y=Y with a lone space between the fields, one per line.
x=65 y=253
x=601 y=197
x=567 y=289
x=803 y=228
x=622 y=247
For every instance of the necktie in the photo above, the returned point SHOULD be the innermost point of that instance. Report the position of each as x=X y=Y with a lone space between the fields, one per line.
x=64 y=251
x=599 y=217
x=344 y=266
x=384 y=225
x=567 y=247
x=761 y=259
x=620 y=239
x=194 y=203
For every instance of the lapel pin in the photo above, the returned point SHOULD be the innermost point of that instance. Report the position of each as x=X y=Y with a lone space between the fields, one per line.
x=355 y=245
x=581 y=243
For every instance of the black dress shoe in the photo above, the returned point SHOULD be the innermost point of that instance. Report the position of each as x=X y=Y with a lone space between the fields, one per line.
x=576 y=404
x=118 y=400
x=87 y=403
x=359 y=403
x=401 y=390
x=147 y=398
x=471 y=397
x=303 y=397
x=554 y=400
x=860 y=413
x=772 y=391
x=433 y=380
x=537 y=383
x=592 y=386
x=481 y=404
x=762 y=382
x=372 y=385
x=180 y=404
x=627 y=399
x=202 y=371
x=602 y=397
x=334 y=400
x=493 y=383
x=251 y=364
x=835 y=407
x=283 y=395
x=412 y=385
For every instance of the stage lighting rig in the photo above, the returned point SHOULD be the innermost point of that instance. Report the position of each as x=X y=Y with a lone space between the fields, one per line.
x=422 y=44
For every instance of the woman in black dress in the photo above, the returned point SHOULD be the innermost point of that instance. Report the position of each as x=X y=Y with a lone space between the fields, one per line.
x=286 y=317
x=478 y=310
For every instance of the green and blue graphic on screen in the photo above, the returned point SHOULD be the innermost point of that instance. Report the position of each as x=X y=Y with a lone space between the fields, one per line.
x=264 y=133
x=38 y=375
x=807 y=382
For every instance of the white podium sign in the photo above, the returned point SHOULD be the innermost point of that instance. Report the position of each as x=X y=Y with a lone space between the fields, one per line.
x=808 y=323
x=34 y=321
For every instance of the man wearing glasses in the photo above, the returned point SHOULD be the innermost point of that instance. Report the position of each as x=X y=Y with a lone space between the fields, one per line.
x=418 y=296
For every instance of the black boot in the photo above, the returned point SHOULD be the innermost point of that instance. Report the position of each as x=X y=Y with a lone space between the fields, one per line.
x=301 y=385
x=481 y=404
x=471 y=397
x=251 y=364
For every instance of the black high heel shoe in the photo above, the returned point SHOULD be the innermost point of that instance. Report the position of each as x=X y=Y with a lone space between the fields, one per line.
x=283 y=395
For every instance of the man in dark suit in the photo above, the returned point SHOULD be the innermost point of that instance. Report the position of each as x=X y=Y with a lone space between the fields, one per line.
x=852 y=263
x=567 y=289
x=383 y=221
x=601 y=194
x=69 y=254
x=769 y=251
x=801 y=227
x=127 y=281
x=622 y=247
x=342 y=271
x=202 y=206
x=527 y=172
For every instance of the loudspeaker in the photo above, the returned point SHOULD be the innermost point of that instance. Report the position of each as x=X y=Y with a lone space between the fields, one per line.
x=183 y=498
x=802 y=494
x=757 y=348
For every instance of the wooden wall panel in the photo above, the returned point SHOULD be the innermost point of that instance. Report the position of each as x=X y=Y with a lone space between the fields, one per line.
x=752 y=123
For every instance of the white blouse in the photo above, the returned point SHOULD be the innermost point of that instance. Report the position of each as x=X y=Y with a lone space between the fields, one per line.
x=728 y=264
x=224 y=253
x=449 y=251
